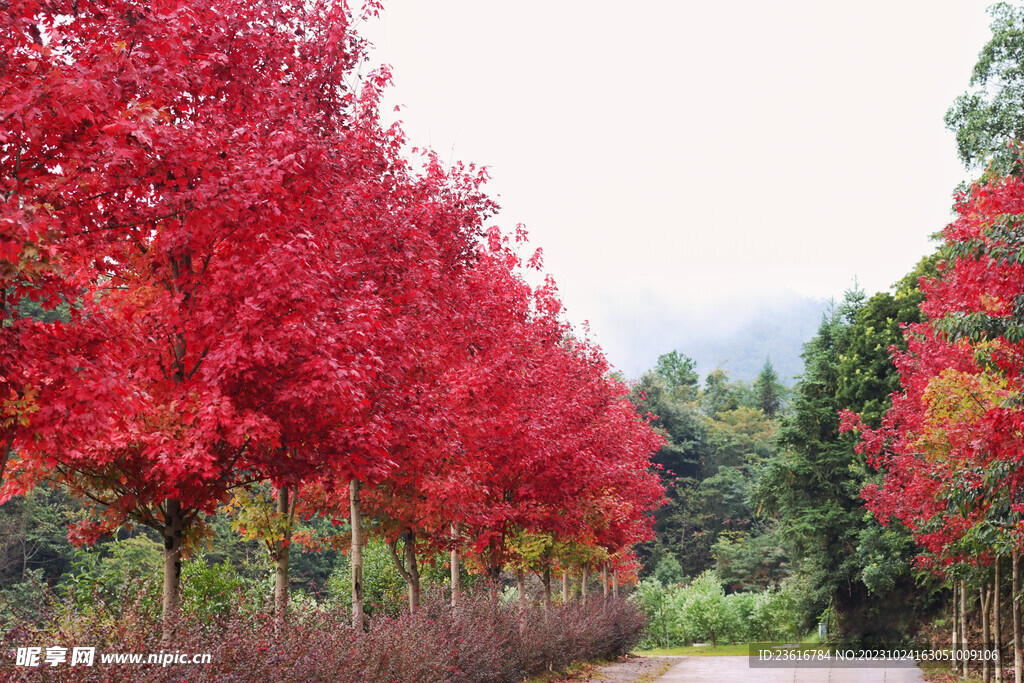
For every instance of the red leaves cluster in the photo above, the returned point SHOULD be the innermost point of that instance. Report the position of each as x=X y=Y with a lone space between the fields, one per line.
x=950 y=447
x=261 y=287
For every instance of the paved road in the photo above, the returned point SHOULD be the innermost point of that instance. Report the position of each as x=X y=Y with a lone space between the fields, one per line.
x=720 y=669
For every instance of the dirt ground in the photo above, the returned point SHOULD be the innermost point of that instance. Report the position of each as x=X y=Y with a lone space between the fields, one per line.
x=629 y=670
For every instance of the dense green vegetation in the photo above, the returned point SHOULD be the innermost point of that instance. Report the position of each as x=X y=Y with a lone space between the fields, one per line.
x=765 y=491
x=775 y=498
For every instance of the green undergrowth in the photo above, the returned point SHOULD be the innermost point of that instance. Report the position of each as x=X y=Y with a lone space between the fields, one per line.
x=941 y=672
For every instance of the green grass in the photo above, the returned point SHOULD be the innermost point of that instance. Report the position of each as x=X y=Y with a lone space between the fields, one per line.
x=705 y=651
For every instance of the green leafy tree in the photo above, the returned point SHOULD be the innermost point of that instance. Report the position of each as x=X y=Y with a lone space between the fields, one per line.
x=679 y=374
x=685 y=447
x=990 y=114
x=719 y=394
x=681 y=462
x=751 y=560
x=741 y=440
x=727 y=498
x=34 y=535
x=669 y=571
x=866 y=373
x=706 y=611
x=740 y=437
x=662 y=604
x=811 y=488
x=808 y=485
x=714 y=441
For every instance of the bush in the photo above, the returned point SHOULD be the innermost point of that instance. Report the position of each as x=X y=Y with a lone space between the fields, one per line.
x=24 y=600
x=111 y=574
x=705 y=611
x=383 y=587
x=669 y=571
x=481 y=640
x=663 y=607
x=210 y=590
x=701 y=611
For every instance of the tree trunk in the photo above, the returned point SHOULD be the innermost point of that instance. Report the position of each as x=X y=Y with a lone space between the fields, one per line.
x=405 y=569
x=955 y=636
x=565 y=586
x=604 y=581
x=546 y=578
x=492 y=563
x=414 y=573
x=985 y=597
x=997 y=629
x=583 y=586
x=455 y=565
x=26 y=510
x=521 y=587
x=173 y=536
x=174 y=519
x=963 y=624
x=356 y=554
x=6 y=313
x=615 y=583
x=283 y=556
x=1018 y=647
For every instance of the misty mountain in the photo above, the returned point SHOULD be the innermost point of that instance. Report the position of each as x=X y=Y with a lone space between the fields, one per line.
x=737 y=335
x=778 y=333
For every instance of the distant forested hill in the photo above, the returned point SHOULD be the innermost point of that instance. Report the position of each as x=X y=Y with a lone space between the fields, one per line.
x=778 y=331
x=737 y=335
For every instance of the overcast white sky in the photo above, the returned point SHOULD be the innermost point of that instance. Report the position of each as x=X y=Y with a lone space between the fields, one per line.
x=682 y=156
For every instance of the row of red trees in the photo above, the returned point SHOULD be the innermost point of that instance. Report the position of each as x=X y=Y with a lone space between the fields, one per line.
x=951 y=446
x=261 y=288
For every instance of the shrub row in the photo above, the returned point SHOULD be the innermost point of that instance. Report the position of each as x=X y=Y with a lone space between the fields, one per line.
x=483 y=639
x=700 y=611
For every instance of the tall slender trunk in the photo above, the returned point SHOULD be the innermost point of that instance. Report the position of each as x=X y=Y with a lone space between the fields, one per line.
x=1018 y=647
x=492 y=565
x=356 y=554
x=583 y=586
x=546 y=578
x=615 y=583
x=985 y=596
x=409 y=569
x=521 y=587
x=5 y=452
x=283 y=555
x=174 y=519
x=964 y=641
x=455 y=565
x=565 y=585
x=997 y=629
x=414 y=572
x=173 y=536
x=955 y=636
x=604 y=581
x=26 y=510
